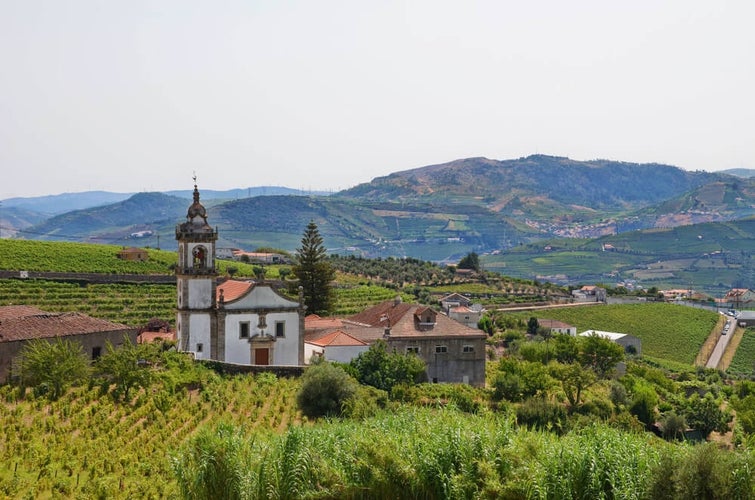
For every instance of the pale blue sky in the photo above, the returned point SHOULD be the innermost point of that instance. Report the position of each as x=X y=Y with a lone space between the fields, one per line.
x=136 y=95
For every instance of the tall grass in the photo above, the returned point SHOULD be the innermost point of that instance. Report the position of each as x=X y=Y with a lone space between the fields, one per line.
x=426 y=453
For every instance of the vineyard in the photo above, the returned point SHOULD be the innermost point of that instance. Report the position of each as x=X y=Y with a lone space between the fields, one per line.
x=744 y=360
x=667 y=331
x=26 y=255
x=136 y=304
x=86 y=445
x=130 y=304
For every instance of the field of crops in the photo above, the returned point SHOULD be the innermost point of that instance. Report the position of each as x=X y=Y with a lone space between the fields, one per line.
x=744 y=360
x=86 y=446
x=667 y=331
x=26 y=255
x=130 y=304
x=136 y=304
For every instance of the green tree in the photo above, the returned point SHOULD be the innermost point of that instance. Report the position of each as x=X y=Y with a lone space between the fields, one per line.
x=382 y=369
x=574 y=380
x=470 y=261
x=315 y=273
x=325 y=388
x=486 y=324
x=705 y=414
x=53 y=366
x=126 y=366
x=532 y=326
x=643 y=405
x=600 y=354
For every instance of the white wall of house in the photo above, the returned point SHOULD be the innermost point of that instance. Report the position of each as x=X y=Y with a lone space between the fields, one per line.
x=344 y=354
x=200 y=294
x=312 y=350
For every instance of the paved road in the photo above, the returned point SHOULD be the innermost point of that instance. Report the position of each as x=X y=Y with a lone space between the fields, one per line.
x=723 y=341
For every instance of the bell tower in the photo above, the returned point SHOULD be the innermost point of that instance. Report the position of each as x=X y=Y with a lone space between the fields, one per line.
x=195 y=281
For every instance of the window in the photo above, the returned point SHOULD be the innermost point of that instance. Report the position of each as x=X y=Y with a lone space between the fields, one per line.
x=412 y=349
x=467 y=348
x=199 y=347
x=441 y=348
x=244 y=330
x=96 y=352
x=280 y=328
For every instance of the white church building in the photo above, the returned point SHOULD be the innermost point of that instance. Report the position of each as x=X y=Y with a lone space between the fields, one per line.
x=233 y=321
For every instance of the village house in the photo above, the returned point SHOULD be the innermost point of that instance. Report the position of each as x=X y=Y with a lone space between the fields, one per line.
x=133 y=253
x=454 y=300
x=21 y=324
x=232 y=321
x=589 y=293
x=555 y=326
x=467 y=315
x=452 y=352
x=738 y=298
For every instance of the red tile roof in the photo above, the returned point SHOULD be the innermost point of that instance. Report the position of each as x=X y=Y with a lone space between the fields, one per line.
x=552 y=323
x=233 y=289
x=315 y=322
x=7 y=312
x=26 y=323
x=338 y=338
x=403 y=321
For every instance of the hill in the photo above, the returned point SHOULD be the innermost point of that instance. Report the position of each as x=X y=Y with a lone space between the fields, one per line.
x=442 y=212
x=709 y=257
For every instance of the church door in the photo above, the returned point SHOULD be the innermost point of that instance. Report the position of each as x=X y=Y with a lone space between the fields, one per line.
x=262 y=356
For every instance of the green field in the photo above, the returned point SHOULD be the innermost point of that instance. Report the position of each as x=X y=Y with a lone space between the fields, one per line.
x=45 y=256
x=667 y=331
x=744 y=360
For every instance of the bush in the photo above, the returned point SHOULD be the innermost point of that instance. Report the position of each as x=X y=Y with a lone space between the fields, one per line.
x=325 y=388
x=541 y=414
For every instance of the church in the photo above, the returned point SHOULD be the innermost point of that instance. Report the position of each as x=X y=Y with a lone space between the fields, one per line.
x=232 y=321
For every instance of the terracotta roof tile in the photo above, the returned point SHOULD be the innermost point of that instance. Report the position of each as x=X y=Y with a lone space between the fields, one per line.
x=315 y=322
x=26 y=326
x=233 y=289
x=338 y=338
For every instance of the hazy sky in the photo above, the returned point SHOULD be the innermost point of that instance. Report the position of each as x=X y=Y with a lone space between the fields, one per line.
x=136 y=95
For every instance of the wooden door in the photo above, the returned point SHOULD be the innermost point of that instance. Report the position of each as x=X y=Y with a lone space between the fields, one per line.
x=262 y=356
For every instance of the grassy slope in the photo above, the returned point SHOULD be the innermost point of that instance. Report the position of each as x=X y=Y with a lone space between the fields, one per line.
x=667 y=331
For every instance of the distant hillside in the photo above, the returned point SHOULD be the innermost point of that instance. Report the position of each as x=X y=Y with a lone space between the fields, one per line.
x=437 y=213
x=67 y=202
x=529 y=184
x=114 y=222
x=739 y=172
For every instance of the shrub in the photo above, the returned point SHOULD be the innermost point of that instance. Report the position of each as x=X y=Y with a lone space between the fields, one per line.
x=325 y=388
x=541 y=414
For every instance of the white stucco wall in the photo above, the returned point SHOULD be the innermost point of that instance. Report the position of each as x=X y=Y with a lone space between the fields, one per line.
x=200 y=293
x=199 y=333
x=285 y=349
x=344 y=354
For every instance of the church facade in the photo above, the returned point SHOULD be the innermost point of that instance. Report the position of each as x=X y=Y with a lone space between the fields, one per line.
x=233 y=321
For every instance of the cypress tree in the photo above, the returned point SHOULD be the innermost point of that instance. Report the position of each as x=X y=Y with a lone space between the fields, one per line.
x=315 y=273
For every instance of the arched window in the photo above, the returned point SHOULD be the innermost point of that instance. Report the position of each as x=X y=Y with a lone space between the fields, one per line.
x=200 y=256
